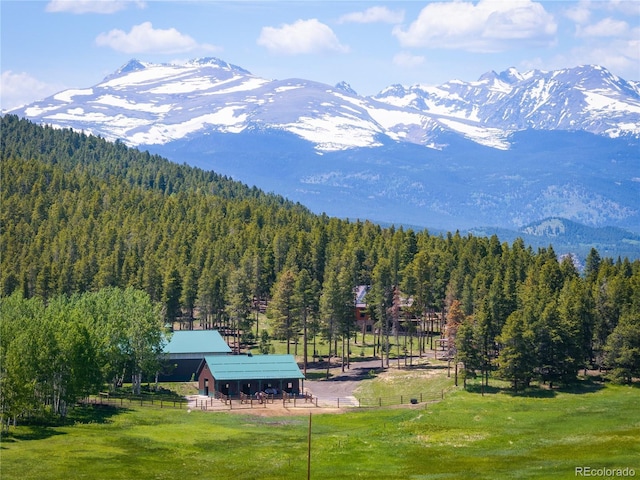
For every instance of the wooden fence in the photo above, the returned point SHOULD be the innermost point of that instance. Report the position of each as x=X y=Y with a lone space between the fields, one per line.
x=221 y=401
x=130 y=400
x=404 y=399
x=224 y=402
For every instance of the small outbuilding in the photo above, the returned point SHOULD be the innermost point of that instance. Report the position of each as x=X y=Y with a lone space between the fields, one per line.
x=232 y=375
x=185 y=351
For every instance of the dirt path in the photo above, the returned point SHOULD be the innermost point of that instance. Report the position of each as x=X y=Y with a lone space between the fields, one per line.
x=341 y=385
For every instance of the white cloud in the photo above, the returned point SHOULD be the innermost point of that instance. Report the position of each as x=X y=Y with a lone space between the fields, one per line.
x=606 y=36
x=91 y=6
x=488 y=26
x=302 y=36
x=580 y=13
x=374 y=15
x=17 y=89
x=583 y=11
x=144 y=38
x=620 y=55
x=626 y=7
x=607 y=27
x=407 y=60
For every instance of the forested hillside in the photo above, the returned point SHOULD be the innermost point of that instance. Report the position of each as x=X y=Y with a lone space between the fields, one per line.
x=80 y=214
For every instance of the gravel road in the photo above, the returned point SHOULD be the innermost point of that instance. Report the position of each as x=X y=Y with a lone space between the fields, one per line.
x=340 y=385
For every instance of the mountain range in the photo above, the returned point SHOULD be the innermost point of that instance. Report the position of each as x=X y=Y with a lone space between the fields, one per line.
x=507 y=151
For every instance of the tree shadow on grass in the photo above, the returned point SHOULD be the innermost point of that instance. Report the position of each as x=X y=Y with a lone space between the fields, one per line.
x=578 y=387
x=46 y=427
x=582 y=386
x=488 y=390
x=86 y=414
x=533 y=391
x=31 y=432
x=427 y=366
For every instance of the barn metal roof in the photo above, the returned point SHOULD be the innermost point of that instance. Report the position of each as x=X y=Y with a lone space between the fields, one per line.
x=197 y=341
x=255 y=367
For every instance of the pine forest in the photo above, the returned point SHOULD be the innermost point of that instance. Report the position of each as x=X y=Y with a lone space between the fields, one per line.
x=102 y=246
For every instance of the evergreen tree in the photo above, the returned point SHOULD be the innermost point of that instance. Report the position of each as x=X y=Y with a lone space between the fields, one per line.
x=380 y=299
x=334 y=309
x=307 y=299
x=517 y=357
x=172 y=291
x=189 y=294
x=467 y=349
x=622 y=350
x=239 y=304
x=284 y=308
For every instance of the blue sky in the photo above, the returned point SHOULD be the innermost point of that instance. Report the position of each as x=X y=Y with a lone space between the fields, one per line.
x=48 y=46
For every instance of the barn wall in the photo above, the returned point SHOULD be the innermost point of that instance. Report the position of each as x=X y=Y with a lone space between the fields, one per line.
x=236 y=386
x=180 y=370
x=206 y=379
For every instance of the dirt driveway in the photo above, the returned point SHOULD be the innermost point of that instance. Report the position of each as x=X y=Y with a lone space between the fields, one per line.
x=341 y=385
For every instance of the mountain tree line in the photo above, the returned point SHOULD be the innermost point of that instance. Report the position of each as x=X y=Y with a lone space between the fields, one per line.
x=80 y=214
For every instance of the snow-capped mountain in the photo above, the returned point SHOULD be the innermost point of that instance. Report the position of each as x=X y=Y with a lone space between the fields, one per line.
x=149 y=104
x=506 y=150
x=587 y=98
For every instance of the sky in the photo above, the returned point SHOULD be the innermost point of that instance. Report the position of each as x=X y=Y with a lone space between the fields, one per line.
x=49 y=46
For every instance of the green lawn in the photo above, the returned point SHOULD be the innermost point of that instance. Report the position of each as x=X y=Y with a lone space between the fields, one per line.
x=428 y=380
x=543 y=434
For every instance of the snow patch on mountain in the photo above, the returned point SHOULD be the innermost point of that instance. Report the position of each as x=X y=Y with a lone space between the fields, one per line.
x=119 y=102
x=331 y=133
x=67 y=95
x=144 y=103
x=224 y=119
x=490 y=137
x=245 y=85
x=601 y=103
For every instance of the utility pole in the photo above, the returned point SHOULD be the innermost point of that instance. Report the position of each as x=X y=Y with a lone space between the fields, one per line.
x=309 y=450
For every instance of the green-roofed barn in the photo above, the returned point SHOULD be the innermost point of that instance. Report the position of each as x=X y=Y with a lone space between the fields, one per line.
x=185 y=351
x=249 y=374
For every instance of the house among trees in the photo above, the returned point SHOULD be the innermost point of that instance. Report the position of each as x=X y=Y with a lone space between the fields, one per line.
x=403 y=305
x=363 y=319
x=233 y=375
x=185 y=351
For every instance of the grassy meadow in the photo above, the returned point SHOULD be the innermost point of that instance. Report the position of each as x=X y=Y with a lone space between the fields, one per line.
x=538 y=434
